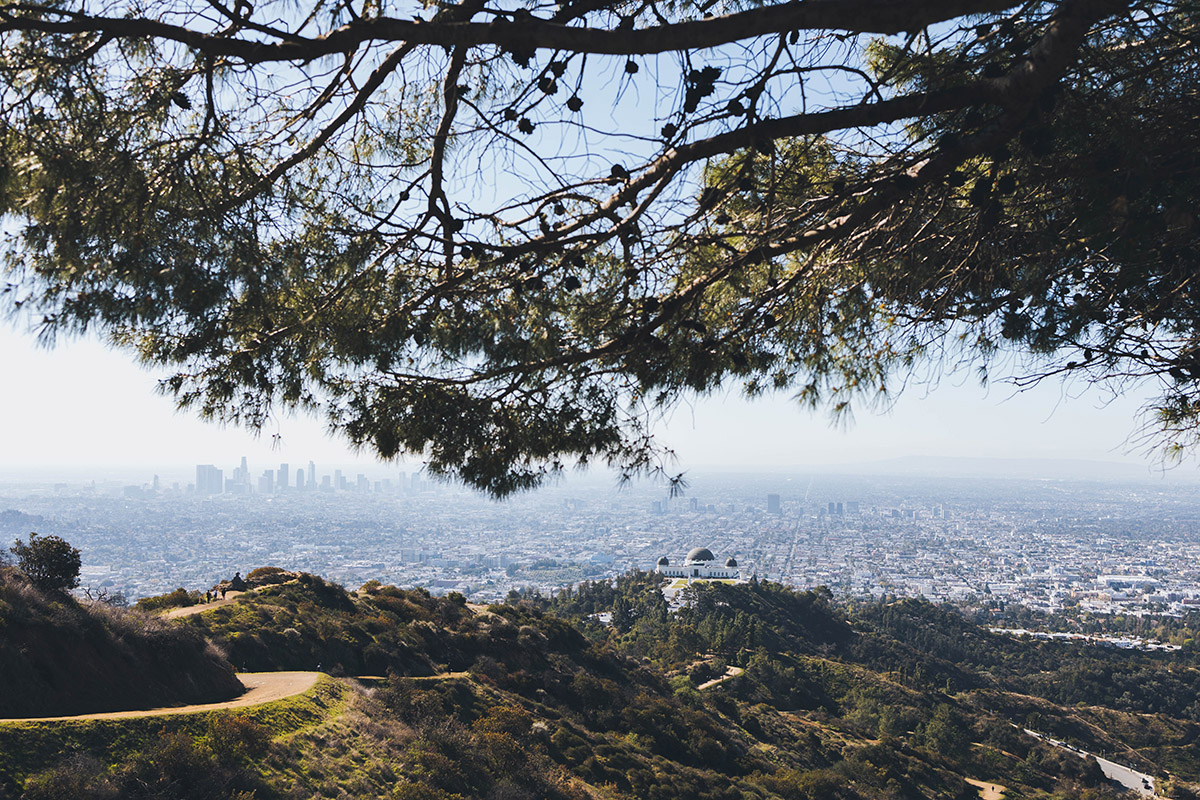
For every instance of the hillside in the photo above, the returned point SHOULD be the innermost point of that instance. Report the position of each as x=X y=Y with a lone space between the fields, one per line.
x=59 y=656
x=535 y=699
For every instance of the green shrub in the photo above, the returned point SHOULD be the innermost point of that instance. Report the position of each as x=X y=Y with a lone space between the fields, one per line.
x=267 y=576
x=235 y=739
x=80 y=777
x=180 y=598
x=49 y=562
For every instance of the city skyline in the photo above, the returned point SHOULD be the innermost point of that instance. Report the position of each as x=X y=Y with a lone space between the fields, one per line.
x=1032 y=542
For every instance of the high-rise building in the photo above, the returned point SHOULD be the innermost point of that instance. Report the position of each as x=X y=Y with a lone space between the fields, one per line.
x=283 y=477
x=312 y=474
x=773 y=506
x=299 y=480
x=209 y=480
x=266 y=483
x=239 y=482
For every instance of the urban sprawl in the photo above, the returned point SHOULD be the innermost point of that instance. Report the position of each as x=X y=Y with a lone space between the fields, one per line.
x=1105 y=547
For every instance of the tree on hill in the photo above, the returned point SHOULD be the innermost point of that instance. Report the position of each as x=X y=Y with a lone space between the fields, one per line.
x=505 y=235
x=49 y=562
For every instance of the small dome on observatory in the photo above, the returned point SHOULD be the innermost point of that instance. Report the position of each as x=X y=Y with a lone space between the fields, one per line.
x=731 y=562
x=663 y=561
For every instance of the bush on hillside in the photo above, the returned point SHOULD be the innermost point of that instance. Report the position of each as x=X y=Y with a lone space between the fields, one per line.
x=50 y=562
x=175 y=767
x=79 y=777
x=236 y=739
x=268 y=576
x=180 y=598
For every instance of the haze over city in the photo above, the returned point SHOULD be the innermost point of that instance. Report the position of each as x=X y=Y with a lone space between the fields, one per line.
x=952 y=475
x=83 y=406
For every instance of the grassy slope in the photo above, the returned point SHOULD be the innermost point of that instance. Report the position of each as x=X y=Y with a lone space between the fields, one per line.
x=30 y=747
x=885 y=704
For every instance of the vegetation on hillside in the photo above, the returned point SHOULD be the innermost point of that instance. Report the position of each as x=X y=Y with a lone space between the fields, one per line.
x=62 y=656
x=311 y=624
x=201 y=756
x=49 y=562
x=536 y=698
x=178 y=598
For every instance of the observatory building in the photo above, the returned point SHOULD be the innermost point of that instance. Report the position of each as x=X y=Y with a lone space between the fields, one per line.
x=700 y=564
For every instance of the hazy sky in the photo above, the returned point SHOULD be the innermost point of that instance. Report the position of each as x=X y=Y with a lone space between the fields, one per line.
x=83 y=405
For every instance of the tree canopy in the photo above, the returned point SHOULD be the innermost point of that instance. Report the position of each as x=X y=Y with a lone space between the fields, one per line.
x=506 y=235
x=50 y=562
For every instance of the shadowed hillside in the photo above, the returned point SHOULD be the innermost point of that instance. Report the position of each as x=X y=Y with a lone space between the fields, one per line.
x=59 y=657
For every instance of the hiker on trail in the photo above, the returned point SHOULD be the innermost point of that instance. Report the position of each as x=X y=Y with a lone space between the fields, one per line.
x=223 y=591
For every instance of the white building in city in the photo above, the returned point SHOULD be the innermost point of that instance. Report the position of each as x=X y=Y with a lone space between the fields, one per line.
x=700 y=564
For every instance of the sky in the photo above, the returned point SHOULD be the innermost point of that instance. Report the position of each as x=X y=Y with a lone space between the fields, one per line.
x=84 y=408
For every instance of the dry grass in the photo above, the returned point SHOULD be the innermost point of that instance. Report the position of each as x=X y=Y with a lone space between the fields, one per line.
x=353 y=753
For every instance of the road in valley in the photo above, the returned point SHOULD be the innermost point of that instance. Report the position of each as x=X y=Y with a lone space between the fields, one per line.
x=1131 y=779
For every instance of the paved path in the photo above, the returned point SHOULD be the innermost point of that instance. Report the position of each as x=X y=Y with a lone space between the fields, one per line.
x=261 y=687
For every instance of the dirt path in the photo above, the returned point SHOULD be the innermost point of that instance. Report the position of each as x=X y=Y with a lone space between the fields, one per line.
x=731 y=672
x=200 y=608
x=441 y=676
x=988 y=791
x=262 y=687
x=479 y=610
